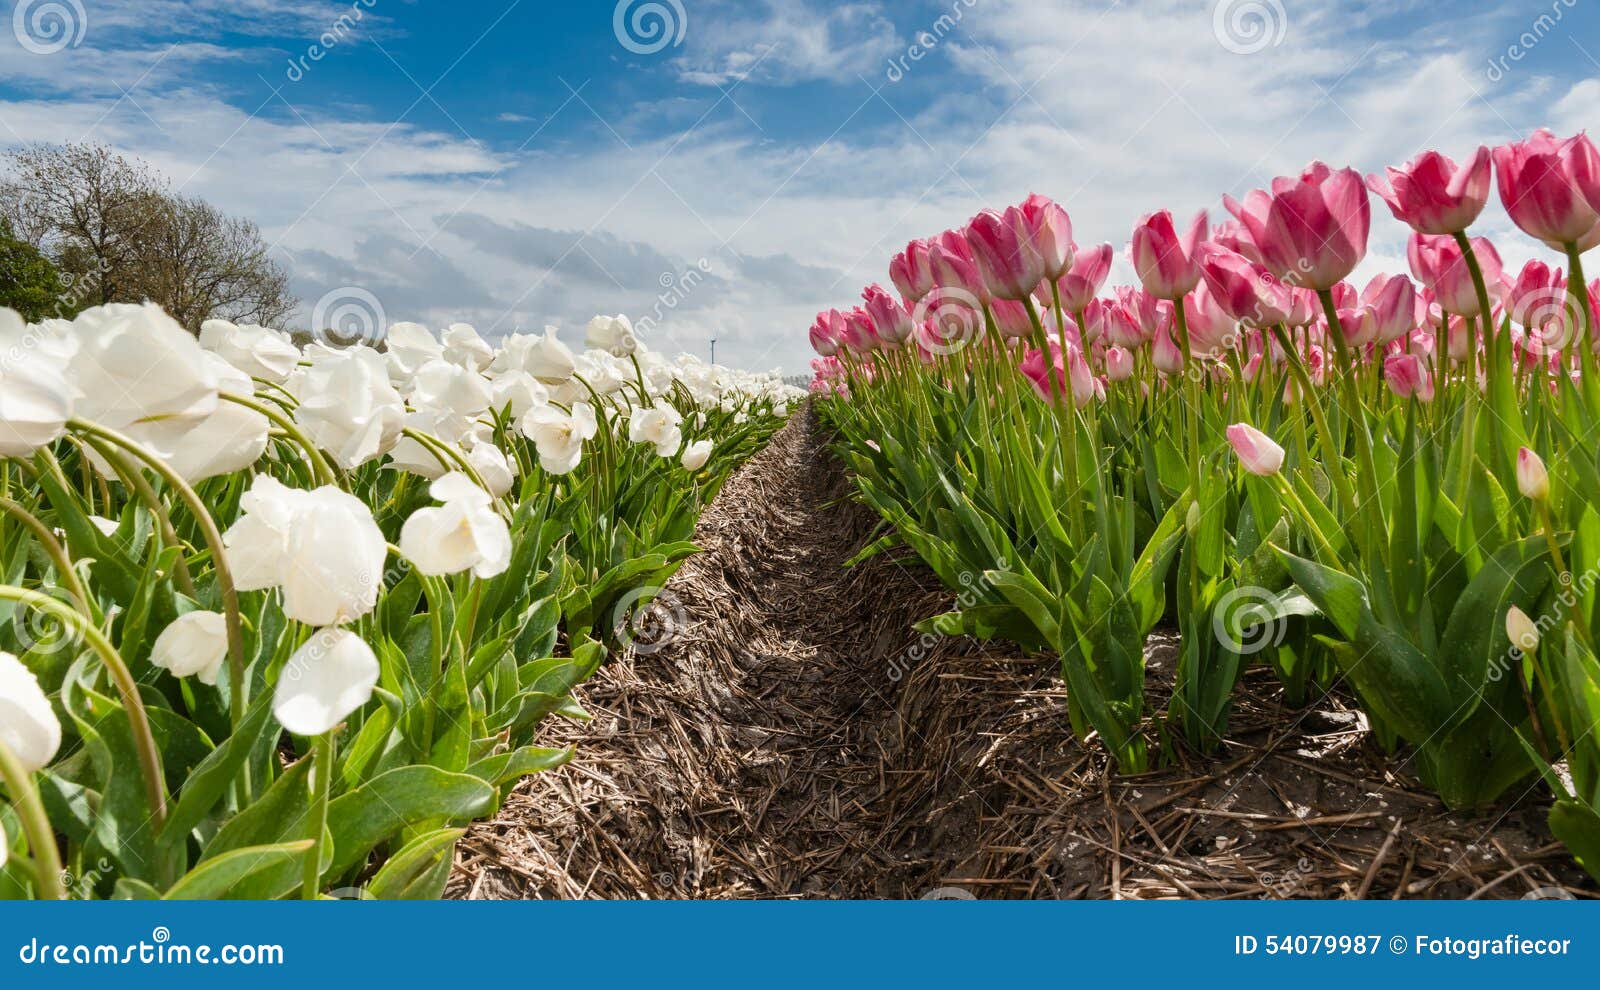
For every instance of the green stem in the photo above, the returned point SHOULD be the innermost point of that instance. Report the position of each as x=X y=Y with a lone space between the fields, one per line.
x=1366 y=471
x=55 y=551
x=320 y=469
x=322 y=784
x=36 y=825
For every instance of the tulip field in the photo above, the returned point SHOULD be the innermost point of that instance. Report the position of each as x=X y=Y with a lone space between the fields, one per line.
x=280 y=620
x=1389 y=489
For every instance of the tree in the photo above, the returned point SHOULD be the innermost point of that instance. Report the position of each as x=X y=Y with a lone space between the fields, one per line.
x=116 y=233
x=29 y=283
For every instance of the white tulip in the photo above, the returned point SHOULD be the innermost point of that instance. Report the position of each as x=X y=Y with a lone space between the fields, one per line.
x=493 y=467
x=463 y=346
x=230 y=438
x=196 y=643
x=347 y=406
x=447 y=387
x=519 y=390
x=28 y=725
x=36 y=391
x=559 y=436
x=259 y=352
x=660 y=425
x=612 y=334
x=413 y=456
x=135 y=364
x=409 y=346
x=696 y=455
x=334 y=566
x=463 y=532
x=321 y=547
x=544 y=357
x=325 y=680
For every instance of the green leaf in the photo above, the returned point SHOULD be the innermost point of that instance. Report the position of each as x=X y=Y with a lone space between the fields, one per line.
x=419 y=870
x=218 y=877
x=401 y=798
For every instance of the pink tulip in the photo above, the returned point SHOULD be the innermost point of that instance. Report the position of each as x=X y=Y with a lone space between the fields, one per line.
x=858 y=334
x=1168 y=264
x=1148 y=313
x=1310 y=230
x=1011 y=319
x=1537 y=300
x=1080 y=283
x=1433 y=195
x=1408 y=376
x=1249 y=293
x=1532 y=479
x=891 y=322
x=1007 y=258
x=1256 y=451
x=1438 y=263
x=1211 y=329
x=952 y=266
x=1551 y=188
x=823 y=338
x=1049 y=229
x=911 y=272
x=1119 y=364
x=1393 y=300
x=1231 y=234
x=1164 y=353
x=1117 y=325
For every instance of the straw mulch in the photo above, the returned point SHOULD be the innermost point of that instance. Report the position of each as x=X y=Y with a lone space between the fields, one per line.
x=792 y=736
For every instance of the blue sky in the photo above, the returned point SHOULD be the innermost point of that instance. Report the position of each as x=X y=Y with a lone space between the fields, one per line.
x=517 y=163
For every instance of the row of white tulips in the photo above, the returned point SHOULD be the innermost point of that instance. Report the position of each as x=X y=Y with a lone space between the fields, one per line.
x=389 y=544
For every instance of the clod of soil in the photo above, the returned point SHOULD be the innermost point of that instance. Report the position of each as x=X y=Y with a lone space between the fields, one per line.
x=793 y=736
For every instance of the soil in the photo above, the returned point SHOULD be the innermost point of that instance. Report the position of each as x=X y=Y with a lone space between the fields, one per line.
x=784 y=732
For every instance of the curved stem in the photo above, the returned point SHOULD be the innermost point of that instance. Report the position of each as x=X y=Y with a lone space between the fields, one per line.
x=56 y=552
x=213 y=538
x=41 y=837
x=322 y=786
x=319 y=465
x=144 y=742
x=141 y=488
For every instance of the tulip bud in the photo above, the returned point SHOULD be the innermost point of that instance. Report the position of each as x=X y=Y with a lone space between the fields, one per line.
x=1524 y=635
x=1257 y=452
x=1532 y=479
x=28 y=726
x=195 y=643
x=326 y=679
x=696 y=455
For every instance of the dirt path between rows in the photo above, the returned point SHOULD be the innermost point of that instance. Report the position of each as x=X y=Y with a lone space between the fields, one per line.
x=780 y=730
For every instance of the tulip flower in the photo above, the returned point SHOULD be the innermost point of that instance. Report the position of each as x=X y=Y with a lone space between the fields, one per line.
x=1006 y=254
x=911 y=272
x=259 y=352
x=1256 y=451
x=1521 y=630
x=516 y=391
x=1119 y=364
x=464 y=347
x=135 y=364
x=36 y=392
x=660 y=425
x=1438 y=263
x=1551 y=188
x=464 y=532
x=858 y=333
x=348 y=406
x=493 y=468
x=194 y=644
x=543 y=356
x=1165 y=354
x=1310 y=230
x=28 y=725
x=1049 y=230
x=1393 y=301
x=951 y=261
x=1433 y=195
x=696 y=454
x=1168 y=264
x=322 y=682
x=1246 y=291
x=1211 y=329
x=1408 y=377
x=891 y=321
x=1078 y=285
x=1066 y=369
x=1532 y=479
x=1011 y=319
x=558 y=436
x=406 y=348
x=612 y=334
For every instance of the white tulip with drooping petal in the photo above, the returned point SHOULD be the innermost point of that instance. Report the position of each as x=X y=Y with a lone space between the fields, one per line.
x=348 y=407
x=195 y=644
x=135 y=364
x=518 y=390
x=543 y=356
x=463 y=346
x=258 y=542
x=464 y=532
x=612 y=334
x=696 y=455
x=259 y=352
x=660 y=425
x=493 y=467
x=230 y=438
x=407 y=347
x=326 y=679
x=450 y=388
x=28 y=725
x=558 y=436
